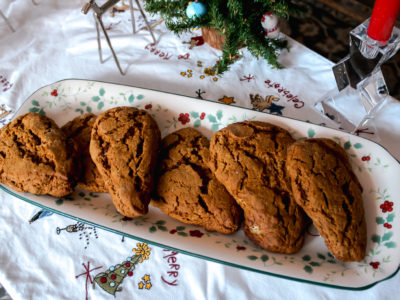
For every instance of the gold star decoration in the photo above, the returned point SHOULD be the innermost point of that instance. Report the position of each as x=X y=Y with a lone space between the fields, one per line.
x=146 y=277
x=227 y=100
x=145 y=283
x=188 y=73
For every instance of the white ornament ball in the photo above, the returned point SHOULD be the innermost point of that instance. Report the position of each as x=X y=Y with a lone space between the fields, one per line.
x=270 y=24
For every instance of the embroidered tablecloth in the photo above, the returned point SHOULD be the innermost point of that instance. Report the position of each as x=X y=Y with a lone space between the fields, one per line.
x=55 y=257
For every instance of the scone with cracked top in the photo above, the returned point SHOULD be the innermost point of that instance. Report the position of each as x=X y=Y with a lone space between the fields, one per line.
x=124 y=146
x=79 y=129
x=325 y=186
x=248 y=158
x=187 y=190
x=36 y=157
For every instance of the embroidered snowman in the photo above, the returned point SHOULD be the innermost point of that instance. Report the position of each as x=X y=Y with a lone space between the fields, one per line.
x=270 y=24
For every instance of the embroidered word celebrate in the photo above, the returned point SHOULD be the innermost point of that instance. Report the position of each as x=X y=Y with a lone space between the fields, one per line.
x=286 y=93
x=5 y=85
x=171 y=259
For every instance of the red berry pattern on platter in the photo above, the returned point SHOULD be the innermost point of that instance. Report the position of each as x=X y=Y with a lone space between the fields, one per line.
x=184 y=118
x=374 y=264
x=196 y=233
x=366 y=158
x=387 y=225
x=387 y=206
x=383 y=237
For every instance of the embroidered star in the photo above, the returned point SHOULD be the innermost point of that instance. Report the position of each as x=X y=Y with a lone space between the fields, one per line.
x=275 y=109
x=227 y=100
x=363 y=130
x=88 y=276
x=199 y=92
x=248 y=78
x=146 y=278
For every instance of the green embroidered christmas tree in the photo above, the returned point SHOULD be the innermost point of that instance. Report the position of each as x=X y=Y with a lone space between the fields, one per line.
x=238 y=20
x=111 y=279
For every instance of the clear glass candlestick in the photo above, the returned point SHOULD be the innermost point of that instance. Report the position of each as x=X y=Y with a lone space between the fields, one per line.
x=362 y=90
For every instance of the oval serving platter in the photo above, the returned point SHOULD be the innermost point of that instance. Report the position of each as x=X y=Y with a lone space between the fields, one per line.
x=376 y=169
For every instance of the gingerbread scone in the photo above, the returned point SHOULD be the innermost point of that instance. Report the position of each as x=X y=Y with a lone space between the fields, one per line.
x=36 y=157
x=186 y=188
x=324 y=184
x=80 y=129
x=249 y=159
x=124 y=146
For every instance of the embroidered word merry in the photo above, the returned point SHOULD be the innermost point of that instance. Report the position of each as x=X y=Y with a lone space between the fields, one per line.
x=283 y=91
x=152 y=49
x=173 y=266
x=5 y=84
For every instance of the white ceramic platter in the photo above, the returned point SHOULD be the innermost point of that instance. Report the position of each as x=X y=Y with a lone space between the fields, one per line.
x=377 y=170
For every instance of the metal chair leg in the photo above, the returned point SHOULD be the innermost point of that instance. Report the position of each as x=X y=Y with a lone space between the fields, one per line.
x=132 y=17
x=145 y=19
x=98 y=13
x=98 y=40
x=99 y=21
x=7 y=22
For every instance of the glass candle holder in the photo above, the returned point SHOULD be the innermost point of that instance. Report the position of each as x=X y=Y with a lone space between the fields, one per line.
x=361 y=88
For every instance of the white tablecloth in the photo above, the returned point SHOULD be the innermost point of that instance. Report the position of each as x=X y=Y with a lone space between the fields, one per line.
x=55 y=41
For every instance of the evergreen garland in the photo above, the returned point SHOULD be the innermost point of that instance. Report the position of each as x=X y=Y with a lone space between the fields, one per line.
x=238 y=20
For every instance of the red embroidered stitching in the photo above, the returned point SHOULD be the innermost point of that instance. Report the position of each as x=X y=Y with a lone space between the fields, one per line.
x=151 y=47
x=248 y=78
x=286 y=93
x=171 y=260
x=6 y=85
x=185 y=56
x=88 y=276
x=363 y=130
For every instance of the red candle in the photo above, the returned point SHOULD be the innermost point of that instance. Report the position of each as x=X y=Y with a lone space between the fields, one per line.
x=382 y=20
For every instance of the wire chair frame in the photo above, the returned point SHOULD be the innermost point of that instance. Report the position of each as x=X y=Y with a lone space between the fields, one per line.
x=98 y=12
